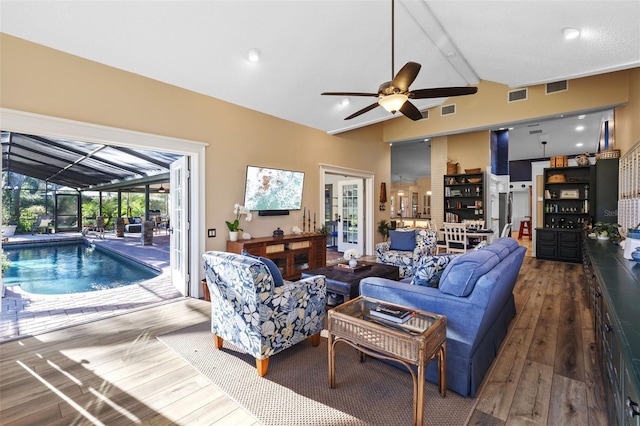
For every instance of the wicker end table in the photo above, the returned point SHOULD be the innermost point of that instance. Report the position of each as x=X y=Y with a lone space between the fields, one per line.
x=415 y=342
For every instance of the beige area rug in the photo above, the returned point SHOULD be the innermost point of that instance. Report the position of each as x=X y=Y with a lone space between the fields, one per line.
x=295 y=390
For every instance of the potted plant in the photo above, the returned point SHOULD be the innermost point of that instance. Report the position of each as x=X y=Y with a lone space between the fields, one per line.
x=606 y=230
x=383 y=229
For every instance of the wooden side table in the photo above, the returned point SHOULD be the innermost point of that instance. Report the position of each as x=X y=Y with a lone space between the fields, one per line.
x=416 y=342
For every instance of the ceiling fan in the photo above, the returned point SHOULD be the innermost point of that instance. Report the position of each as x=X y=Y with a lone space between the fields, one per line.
x=394 y=95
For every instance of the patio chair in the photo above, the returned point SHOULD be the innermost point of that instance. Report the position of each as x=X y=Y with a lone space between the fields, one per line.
x=42 y=222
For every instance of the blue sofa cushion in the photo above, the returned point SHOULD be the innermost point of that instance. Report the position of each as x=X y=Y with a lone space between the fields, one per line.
x=460 y=277
x=430 y=269
x=270 y=264
x=403 y=240
x=498 y=249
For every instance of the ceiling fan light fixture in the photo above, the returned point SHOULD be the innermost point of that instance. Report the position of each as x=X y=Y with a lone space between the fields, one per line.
x=394 y=102
x=570 y=33
x=253 y=55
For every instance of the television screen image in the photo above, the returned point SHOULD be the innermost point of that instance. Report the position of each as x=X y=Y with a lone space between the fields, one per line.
x=273 y=189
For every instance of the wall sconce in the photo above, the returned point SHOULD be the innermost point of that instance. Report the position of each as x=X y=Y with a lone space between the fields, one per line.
x=383 y=195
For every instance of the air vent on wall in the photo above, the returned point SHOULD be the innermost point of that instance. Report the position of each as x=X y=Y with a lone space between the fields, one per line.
x=558 y=86
x=425 y=114
x=448 y=109
x=535 y=132
x=518 y=95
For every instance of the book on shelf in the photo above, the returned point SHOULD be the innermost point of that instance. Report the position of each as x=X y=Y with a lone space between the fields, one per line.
x=392 y=313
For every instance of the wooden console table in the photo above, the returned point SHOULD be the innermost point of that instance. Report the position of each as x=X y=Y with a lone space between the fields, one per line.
x=293 y=254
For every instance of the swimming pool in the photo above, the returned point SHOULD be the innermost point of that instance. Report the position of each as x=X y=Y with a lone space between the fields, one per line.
x=70 y=268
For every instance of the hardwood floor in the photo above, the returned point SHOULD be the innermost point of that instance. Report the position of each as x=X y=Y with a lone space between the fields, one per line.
x=114 y=371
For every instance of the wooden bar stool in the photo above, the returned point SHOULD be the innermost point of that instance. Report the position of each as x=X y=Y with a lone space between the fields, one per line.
x=525 y=228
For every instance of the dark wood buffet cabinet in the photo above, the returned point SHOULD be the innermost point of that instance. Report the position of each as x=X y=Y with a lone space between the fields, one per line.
x=293 y=254
x=612 y=286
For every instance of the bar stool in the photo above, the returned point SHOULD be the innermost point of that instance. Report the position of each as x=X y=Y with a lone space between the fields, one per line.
x=525 y=228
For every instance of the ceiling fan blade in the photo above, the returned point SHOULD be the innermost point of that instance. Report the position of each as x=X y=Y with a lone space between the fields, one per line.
x=443 y=92
x=406 y=75
x=362 y=111
x=410 y=111
x=348 y=94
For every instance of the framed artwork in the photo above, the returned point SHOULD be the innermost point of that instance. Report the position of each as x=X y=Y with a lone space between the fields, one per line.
x=570 y=194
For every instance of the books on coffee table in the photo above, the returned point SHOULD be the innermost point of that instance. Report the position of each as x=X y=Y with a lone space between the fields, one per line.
x=392 y=313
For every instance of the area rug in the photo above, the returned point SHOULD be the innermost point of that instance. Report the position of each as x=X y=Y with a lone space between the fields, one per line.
x=295 y=390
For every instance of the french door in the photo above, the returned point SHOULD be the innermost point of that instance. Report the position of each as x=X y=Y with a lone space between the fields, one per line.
x=350 y=209
x=179 y=229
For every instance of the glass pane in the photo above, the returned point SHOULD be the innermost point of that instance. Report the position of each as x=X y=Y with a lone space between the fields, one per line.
x=349 y=232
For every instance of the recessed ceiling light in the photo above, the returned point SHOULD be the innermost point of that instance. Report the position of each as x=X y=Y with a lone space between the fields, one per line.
x=580 y=128
x=253 y=54
x=570 y=33
x=579 y=144
x=582 y=117
x=345 y=102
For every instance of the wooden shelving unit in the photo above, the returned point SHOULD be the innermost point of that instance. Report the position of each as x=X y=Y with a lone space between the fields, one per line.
x=293 y=254
x=464 y=197
x=568 y=207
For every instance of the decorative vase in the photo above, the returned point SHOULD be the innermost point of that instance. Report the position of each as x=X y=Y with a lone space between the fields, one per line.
x=233 y=235
x=353 y=263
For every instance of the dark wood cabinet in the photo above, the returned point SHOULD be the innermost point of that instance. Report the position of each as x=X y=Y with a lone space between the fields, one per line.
x=568 y=207
x=293 y=254
x=464 y=197
x=612 y=287
x=559 y=244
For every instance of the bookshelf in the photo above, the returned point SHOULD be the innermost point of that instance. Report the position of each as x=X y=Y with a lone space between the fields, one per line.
x=464 y=197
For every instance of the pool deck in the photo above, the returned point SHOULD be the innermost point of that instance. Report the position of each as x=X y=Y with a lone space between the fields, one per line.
x=26 y=314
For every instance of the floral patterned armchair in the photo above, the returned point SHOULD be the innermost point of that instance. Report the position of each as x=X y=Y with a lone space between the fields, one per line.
x=408 y=248
x=258 y=313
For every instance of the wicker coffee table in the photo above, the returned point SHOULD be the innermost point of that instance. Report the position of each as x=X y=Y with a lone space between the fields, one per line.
x=416 y=342
x=347 y=284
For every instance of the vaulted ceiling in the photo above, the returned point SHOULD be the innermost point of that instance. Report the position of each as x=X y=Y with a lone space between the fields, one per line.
x=312 y=46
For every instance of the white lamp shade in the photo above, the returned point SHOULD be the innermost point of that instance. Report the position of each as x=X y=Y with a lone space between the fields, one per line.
x=393 y=103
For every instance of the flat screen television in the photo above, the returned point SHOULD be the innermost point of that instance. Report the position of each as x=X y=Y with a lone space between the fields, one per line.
x=273 y=191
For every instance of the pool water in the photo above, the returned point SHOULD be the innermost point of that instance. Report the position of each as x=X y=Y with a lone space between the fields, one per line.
x=70 y=268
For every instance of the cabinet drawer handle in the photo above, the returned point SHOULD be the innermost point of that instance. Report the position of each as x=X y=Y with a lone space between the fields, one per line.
x=632 y=408
x=607 y=327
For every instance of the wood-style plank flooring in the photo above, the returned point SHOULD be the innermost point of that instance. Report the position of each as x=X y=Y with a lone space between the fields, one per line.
x=114 y=371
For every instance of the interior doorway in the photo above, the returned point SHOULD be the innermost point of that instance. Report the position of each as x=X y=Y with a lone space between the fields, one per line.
x=347 y=200
x=21 y=122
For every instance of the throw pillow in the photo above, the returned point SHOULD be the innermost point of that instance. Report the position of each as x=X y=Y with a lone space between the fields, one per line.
x=275 y=272
x=430 y=269
x=270 y=264
x=403 y=240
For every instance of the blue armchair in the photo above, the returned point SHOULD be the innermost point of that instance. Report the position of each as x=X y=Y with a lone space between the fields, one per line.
x=406 y=248
x=257 y=311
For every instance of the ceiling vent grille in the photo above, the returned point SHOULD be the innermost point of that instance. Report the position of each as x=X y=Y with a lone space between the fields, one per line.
x=535 y=132
x=557 y=86
x=448 y=109
x=518 y=95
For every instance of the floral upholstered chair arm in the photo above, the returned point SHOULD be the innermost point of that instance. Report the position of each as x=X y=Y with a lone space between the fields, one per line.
x=381 y=250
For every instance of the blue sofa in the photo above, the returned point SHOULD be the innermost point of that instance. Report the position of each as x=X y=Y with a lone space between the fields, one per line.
x=475 y=292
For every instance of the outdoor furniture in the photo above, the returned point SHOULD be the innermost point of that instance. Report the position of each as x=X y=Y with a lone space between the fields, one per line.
x=42 y=223
x=258 y=312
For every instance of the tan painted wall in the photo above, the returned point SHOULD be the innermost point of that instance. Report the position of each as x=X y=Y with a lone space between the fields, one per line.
x=44 y=81
x=627 y=117
x=470 y=150
x=489 y=107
